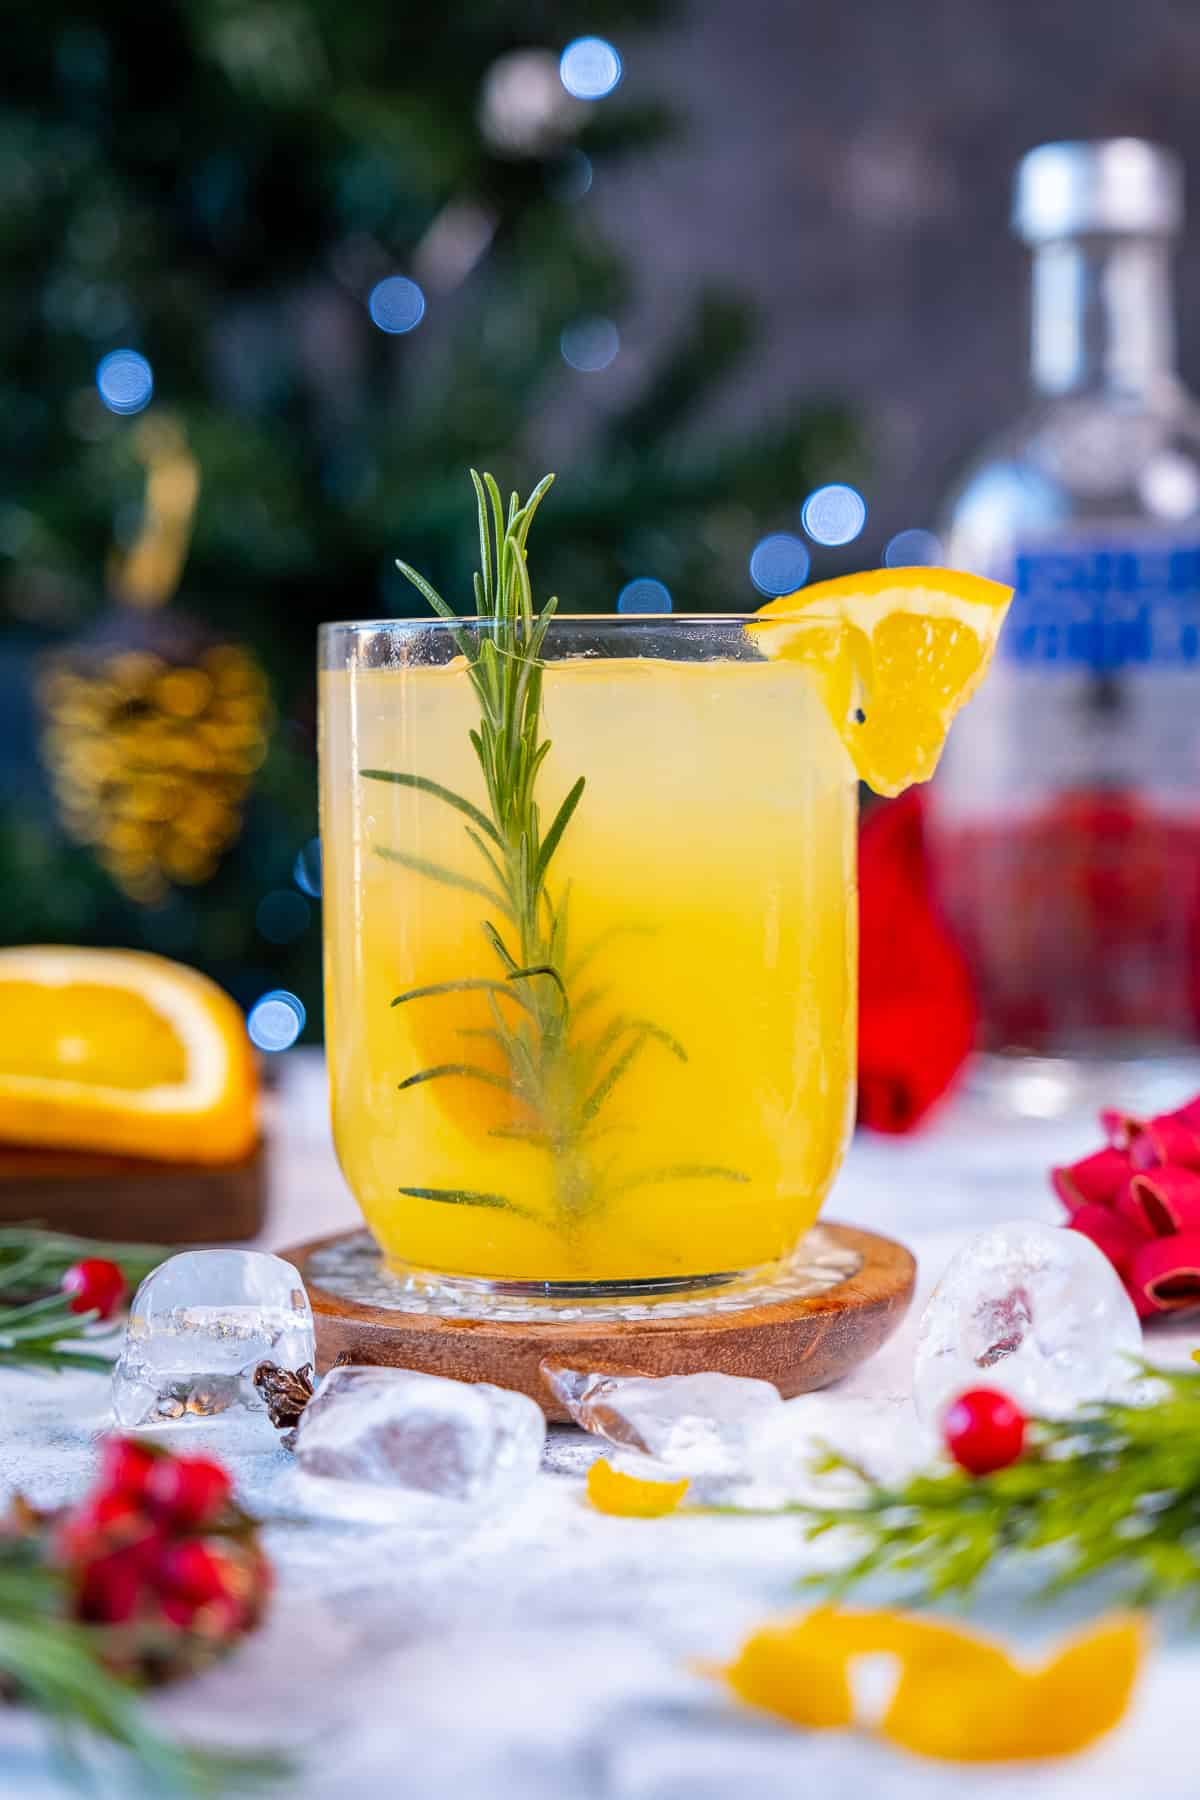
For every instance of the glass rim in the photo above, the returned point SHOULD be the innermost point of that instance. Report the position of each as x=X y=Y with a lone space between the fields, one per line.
x=470 y=621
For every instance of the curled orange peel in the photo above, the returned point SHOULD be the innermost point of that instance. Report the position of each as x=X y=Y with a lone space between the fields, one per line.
x=627 y=1497
x=957 y=1698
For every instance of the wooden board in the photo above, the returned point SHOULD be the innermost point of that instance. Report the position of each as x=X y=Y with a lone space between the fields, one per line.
x=799 y=1344
x=129 y=1199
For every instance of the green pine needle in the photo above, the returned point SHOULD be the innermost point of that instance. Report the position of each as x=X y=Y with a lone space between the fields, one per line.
x=1113 y=1491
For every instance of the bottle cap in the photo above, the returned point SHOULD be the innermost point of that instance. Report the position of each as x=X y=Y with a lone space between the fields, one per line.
x=1108 y=185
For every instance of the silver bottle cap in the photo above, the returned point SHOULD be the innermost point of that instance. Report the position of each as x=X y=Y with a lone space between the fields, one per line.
x=1107 y=185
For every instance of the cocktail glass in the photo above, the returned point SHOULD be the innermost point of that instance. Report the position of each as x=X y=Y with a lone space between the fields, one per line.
x=596 y=1036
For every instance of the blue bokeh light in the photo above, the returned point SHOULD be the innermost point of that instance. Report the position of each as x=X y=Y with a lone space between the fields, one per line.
x=276 y=1021
x=914 y=549
x=282 y=916
x=590 y=344
x=834 y=514
x=306 y=871
x=779 y=564
x=644 y=595
x=590 y=68
x=125 y=381
x=396 y=304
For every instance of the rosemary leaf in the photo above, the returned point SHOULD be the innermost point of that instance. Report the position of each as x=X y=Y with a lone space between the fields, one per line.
x=448 y=877
x=552 y=838
x=466 y=1197
x=435 y=788
x=468 y=1072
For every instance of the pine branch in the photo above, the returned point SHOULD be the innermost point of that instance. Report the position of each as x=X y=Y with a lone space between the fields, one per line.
x=57 y=1667
x=1114 y=1491
x=38 y=1327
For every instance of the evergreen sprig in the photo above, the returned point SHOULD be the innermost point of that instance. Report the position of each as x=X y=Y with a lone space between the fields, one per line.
x=1113 y=1491
x=38 y=1328
x=57 y=1667
x=558 y=1072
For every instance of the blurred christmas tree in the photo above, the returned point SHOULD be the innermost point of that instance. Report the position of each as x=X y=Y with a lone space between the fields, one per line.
x=354 y=249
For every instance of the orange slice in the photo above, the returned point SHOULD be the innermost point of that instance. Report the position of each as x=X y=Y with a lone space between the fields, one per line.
x=895 y=653
x=119 y=1051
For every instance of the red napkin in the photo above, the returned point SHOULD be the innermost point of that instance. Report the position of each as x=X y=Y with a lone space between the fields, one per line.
x=916 y=1004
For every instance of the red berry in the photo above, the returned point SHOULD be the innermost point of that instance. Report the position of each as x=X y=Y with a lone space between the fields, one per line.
x=124 y=1467
x=95 y=1285
x=187 y=1490
x=178 y=1611
x=983 y=1430
x=104 y=1522
x=109 y=1589
x=193 y=1572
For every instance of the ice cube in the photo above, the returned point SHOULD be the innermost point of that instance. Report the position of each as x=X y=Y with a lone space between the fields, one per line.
x=880 y=1434
x=385 y=1443
x=199 y=1326
x=1034 y=1310
x=701 y=1424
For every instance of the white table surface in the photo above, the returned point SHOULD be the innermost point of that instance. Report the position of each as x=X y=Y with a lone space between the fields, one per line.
x=547 y=1655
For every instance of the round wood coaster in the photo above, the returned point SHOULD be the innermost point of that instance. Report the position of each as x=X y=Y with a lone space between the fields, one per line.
x=802 y=1331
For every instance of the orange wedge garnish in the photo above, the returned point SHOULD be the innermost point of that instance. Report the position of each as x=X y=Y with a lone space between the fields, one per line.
x=895 y=653
x=120 y=1051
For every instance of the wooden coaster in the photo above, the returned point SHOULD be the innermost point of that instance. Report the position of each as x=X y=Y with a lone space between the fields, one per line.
x=129 y=1199
x=799 y=1340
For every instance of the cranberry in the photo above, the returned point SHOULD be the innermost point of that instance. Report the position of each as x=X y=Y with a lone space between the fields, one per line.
x=187 y=1490
x=109 y=1588
x=124 y=1468
x=178 y=1611
x=983 y=1431
x=95 y=1285
x=193 y=1572
x=105 y=1521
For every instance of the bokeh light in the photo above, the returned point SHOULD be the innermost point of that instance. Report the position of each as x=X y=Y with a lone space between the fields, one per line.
x=396 y=304
x=589 y=68
x=306 y=871
x=125 y=381
x=914 y=549
x=644 y=595
x=779 y=564
x=590 y=344
x=276 y=1021
x=282 y=916
x=834 y=514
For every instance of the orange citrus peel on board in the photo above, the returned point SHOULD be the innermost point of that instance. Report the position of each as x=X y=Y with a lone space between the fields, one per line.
x=122 y=1052
x=957 y=1696
x=894 y=654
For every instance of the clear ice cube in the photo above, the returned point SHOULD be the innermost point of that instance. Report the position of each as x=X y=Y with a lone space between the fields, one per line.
x=199 y=1326
x=879 y=1434
x=701 y=1424
x=380 y=1442
x=1034 y=1310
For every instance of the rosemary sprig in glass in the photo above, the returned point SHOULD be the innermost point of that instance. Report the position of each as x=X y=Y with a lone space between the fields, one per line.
x=559 y=1067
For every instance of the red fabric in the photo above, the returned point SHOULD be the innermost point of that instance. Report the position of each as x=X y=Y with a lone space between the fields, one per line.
x=1139 y=1202
x=916 y=1004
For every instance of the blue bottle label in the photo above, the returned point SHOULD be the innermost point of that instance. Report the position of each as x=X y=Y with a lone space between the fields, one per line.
x=1105 y=605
